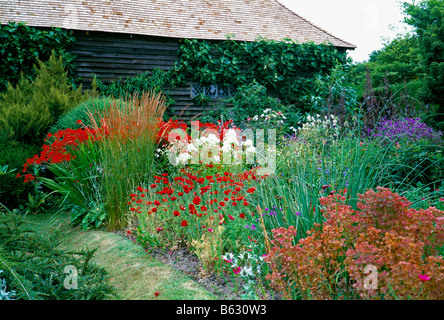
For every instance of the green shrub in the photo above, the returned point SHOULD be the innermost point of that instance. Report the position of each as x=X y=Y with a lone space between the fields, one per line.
x=29 y=109
x=80 y=112
x=35 y=266
x=249 y=101
x=156 y=80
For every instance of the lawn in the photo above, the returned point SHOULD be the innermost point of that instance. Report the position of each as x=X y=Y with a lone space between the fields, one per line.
x=133 y=272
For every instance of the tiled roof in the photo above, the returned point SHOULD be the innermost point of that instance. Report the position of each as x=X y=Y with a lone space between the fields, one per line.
x=200 y=19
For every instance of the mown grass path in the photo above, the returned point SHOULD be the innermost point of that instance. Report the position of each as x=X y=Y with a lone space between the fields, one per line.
x=133 y=272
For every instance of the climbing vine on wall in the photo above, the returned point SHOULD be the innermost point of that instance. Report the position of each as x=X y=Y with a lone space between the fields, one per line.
x=285 y=68
x=21 y=45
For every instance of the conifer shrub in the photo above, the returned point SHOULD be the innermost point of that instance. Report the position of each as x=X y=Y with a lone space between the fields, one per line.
x=30 y=108
x=35 y=266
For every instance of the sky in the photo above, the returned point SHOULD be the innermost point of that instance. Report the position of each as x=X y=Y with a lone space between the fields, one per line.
x=365 y=23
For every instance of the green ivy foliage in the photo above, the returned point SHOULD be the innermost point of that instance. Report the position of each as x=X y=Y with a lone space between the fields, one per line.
x=21 y=46
x=285 y=68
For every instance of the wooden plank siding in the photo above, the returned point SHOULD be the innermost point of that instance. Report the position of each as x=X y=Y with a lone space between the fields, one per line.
x=114 y=56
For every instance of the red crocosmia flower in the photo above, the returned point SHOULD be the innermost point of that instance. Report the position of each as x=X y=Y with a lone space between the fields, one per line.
x=184 y=223
x=242 y=216
x=424 y=277
x=176 y=213
x=251 y=190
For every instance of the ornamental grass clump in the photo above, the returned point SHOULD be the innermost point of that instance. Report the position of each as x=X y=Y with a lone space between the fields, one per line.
x=401 y=244
x=305 y=174
x=127 y=140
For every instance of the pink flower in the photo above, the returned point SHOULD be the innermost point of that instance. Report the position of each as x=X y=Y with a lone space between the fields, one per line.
x=424 y=277
x=210 y=230
x=237 y=270
x=442 y=199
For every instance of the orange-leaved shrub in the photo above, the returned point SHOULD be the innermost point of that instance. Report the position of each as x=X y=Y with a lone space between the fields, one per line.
x=400 y=243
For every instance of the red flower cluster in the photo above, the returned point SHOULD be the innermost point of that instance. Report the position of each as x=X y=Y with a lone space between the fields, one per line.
x=166 y=127
x=58 y=150
x=212 y=196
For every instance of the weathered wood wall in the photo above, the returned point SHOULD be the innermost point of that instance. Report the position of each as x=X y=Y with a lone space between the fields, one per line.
x=113 y=55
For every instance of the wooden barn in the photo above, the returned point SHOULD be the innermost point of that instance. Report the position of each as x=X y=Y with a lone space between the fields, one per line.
x=121 y=38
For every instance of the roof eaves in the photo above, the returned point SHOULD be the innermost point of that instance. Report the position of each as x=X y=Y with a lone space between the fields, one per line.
x=347 y=45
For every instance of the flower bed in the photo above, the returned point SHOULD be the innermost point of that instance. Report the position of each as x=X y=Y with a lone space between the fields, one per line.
x=331 y=221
